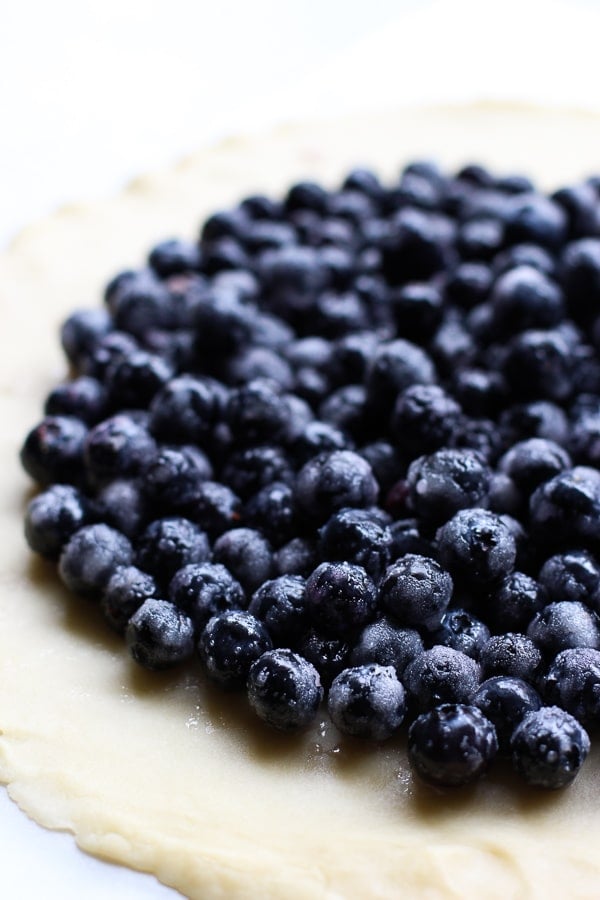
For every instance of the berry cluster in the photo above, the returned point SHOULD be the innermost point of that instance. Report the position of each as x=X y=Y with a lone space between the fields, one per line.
x=349 y=443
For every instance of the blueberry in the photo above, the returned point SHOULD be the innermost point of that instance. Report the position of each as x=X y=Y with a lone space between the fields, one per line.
x=82 y=331
x=345 y=409
x=352 y=536
x=215 y=507
x=566 y=509
x=159 y=635
x=138 y=302
x=172 y=257
x=468 y=285
x=479 y=391
x=580 y=266
x=451 y=745
x=186 y=409
x=340 y=598
x=462 y=631
x=117 y=448
x=53 y=450
x=292 y=277
x=417 y=245
x=395 y=366
x=318 y=437
x=572 y=576
x=126 y=590
x=424 y=419
x=173 y=478
x=169 y=544
x=512 y=654
x=133 y=380
x=284 y=690
x=504 y=701
x=247 y=554
x=249 y=470
x=417 y=310
x=297 y=557
x=331 y=481
x=523 y=298
x=281 y=605
x=53 y=517
x=255 y=413
x=272 y=510
x=407 y=538
x=385 y=462
x=536 y=219
x=529 y=463
x=90 y=557
x=113 y=346
x=540 y=418
x=84 y=398
x=447 y=481
x=549 y=747
x=441 y=675
x=416 y=591
x=388 y=644
x=367 y=702
x=539 y=366
x=477 y=546
x=203 y=590
x=573 y=683
x=563 y=626
x=121 y=505
x=230 y=643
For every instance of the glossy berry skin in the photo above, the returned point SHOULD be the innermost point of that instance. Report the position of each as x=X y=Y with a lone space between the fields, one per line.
x=90 y=557
x=353 y=536
x=230 y=643
x=445 y=482
x=173 y=477
x=566 y=509
x=204 y=590
x=462 y=631
x=327 y=654
x=126 y=590
x=117 y=447
x=340 y=598
x=513 y=602
x=572 y=576
x=280 y=604
x=563 y=626
x=416 y=590
x=247 y=555
x=367 y=702
x=332 y=481
x=215 y=508
x=53 y=450
x=440 y=675
x=385 y=643
x=169 y=544
x=451 y=745
x=284 y=690
x=186 y=409
x=511 y=654
x=424 y=419
x=549 y=747
x=477 y=546
x=573 y=683
x=505 y=700
x=159 y=635
x=53 y=516
x=529 y=463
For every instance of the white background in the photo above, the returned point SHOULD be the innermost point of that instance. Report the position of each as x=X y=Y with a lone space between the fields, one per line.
x=93 y=93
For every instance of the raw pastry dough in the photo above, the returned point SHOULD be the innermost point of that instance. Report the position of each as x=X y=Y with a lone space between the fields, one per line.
x=160 y=773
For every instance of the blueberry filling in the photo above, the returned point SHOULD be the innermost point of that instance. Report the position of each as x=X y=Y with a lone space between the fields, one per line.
x=345 y=447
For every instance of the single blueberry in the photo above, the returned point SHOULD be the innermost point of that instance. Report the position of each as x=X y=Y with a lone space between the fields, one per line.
x=549 y=747
x=367 y=701
x=159 y=635
x=284 y=690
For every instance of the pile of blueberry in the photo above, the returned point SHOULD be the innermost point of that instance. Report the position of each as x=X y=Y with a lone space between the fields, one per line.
x=348 y=444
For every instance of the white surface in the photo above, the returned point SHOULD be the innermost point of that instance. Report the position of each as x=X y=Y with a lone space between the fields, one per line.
x=94 y=93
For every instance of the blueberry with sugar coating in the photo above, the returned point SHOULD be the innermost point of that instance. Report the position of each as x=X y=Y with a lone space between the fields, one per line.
x=118 y=447
x=53 y=450
x=531 y=462
x=549 y=747
x=284 y=690
x=126 y=590
x=172 y=479
x=451 y=745
x=566 y=509
x=573 y=683
x=447 y=481
x=574 y=575
x=462 y=631
x=159 y=635
x=170 y=543
x=511 y=654
x=247 y=555
x=203 y=590
x=386 y=643
x=565 y=625
x=441 y=675
x=340 y=598
x=230 y=643
x=53 y=516
x=424 y=419
x=505 y=700
x=328 y=655
x=91 y=556
x=353 y=536
x=281 y=605
x=367 y=701
x=477 y=546
x=186 y=409
x=513 y=602
x=416 y=590
x=331 y=481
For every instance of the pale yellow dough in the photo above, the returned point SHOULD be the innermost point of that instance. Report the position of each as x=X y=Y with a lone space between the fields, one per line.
x=157 y=772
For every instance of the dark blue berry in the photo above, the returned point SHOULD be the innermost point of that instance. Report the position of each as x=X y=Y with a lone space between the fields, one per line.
x=529 y=463
x=504 y=701
x=536 y=219
x=573 y=683
x=549 y=747
x=215 y=508
x=82 y=331
x=451 y=745
x=133 y=380
x=117 y=448
x=566 y=509
x=462 y=631
x=351 y=535
x=126 y=590
x=230 y=643
x=203 y=590
x=297 y=557
x=159 y=635
x=173 y=257
x=281 y=605
x=340 y=598
x=249 y=470
x=139 y=302
x=424 y=419
x=524 y=297
x=173 y=478
x=441 y=675
x=416 y=591
x=247 y=555
x=53 y=516
x=121 y=505
x=513 y=654
x=572 y=576
x=84 y=398
x=169 y=544
x=395 y=366
x=367 y=701
x=53 y=450
x=388 y=644
x=273 y=512
x=447 y=481
x=284 y=690
x=477 y=546
x=331 y=481
x=90 y=557
x=186 y=409
x=564 y=625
